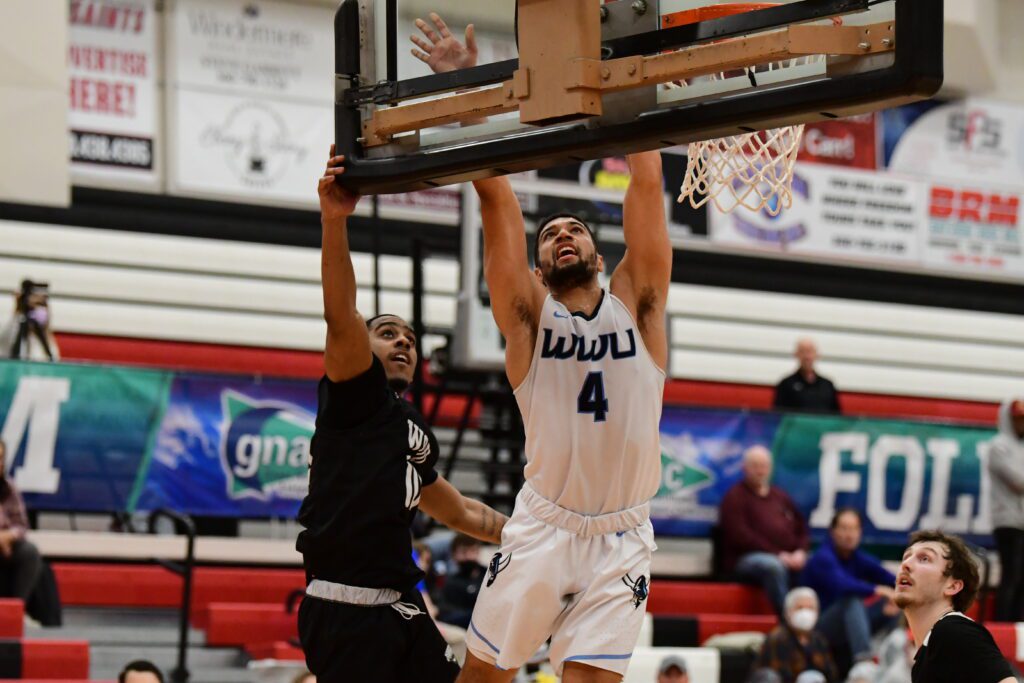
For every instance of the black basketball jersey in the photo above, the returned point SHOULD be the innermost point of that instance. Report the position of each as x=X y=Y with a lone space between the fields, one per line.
x=372 y=453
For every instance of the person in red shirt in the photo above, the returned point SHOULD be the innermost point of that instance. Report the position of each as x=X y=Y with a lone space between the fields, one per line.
x=19 y=558
x=764 y=535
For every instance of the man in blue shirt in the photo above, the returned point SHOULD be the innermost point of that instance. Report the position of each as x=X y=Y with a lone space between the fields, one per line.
x=844 y=576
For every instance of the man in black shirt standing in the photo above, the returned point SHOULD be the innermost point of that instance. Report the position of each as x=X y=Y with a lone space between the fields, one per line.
x=937 y=583
x=373 y=458
x=805 y=390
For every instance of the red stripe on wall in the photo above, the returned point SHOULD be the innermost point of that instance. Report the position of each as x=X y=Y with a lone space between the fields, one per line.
x=309 y=365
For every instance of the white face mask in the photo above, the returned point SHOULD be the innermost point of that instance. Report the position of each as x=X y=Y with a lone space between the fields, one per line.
x=804 y=619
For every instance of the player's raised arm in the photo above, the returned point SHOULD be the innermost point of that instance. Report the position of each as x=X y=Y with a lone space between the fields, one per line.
x=347 y=352
x=642 y=278
x=516 y=294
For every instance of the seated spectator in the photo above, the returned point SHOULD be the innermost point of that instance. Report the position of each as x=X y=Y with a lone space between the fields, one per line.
x=673 y=670
x=764 y=535
x=896 y=655
x=140 y=671
x=1006 y=467
x=794 y=646
x=805 y=390
x=459 y=594
x=843 y=575
x=27 y=335
x=864 y=672
x=19 y=557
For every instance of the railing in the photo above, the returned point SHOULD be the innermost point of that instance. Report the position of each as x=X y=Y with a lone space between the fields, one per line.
x=182 y=524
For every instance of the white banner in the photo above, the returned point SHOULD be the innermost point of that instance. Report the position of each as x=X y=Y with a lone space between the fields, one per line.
x=249 y=148
x=975 y=230
x=836 y=212
x=255 y=48
x=251 y=113
x=977 y=141
x=112 y=70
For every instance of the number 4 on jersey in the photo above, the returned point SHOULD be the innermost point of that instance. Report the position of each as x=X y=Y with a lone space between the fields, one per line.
x=591 y=398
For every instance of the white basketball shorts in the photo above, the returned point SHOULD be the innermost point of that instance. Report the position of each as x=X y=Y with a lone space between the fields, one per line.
x=582 y=581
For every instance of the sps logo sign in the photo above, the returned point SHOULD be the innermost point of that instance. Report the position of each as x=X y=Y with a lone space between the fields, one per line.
x=975 y=130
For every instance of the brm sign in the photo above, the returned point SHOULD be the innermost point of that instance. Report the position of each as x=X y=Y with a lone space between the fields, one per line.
x=974 y=229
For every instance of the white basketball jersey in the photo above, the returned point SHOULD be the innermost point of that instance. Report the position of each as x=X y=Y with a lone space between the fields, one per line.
x=591 y=404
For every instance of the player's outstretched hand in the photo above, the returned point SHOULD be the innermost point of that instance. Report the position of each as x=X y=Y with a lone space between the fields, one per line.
x=442 y=51
x=335 y=201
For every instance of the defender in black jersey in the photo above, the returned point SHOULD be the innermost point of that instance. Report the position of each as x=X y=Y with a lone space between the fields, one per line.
x=373 y=458
x=937 y=583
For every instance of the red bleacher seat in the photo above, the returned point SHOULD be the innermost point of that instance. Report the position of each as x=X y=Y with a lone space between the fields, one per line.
x=691 y=597
x=12 y=618
x=135 y=585
x=45 y=659
x=279 y=650
x=243 y=624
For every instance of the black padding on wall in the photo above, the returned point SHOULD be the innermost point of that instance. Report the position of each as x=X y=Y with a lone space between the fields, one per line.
x=675 y=632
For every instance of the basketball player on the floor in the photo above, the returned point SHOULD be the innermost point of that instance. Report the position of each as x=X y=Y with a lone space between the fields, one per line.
x=937 y=583
x=587 y=366
x=373 y=459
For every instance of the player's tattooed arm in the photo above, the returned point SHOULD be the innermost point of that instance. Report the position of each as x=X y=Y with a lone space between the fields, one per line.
x=441 y=501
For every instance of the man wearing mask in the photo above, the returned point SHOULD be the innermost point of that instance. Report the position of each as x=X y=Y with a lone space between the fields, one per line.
x=27 y=336
x=1006 y=465
x=794 y=646
x=19 y=557
x=455 y=605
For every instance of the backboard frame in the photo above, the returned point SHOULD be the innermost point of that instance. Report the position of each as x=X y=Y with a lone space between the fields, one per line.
x=916 y=73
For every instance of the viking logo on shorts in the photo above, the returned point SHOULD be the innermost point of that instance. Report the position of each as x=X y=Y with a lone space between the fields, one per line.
x=639 y=588
x=419 y=444
x=496 y=567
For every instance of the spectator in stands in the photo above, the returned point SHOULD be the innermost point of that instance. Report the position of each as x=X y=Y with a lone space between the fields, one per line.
x=19 y=557
x=764 y=535
x=27 y=335
x=805 y=390
x=140 y=671
x=459 y=594
x=864 y=672
x=1006 y=465
x=794 y=646
x=844 y=576
x=673 y=670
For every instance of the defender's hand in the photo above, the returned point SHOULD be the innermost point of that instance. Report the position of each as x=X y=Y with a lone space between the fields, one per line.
x=444 y=52
x=335 y=201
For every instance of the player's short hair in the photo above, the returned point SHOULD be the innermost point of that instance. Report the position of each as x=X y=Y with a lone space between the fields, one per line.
x=371 y=321
x=846 y=510
x=960 y=565
x=463 y=541
x=542 y=223
x=140 y=666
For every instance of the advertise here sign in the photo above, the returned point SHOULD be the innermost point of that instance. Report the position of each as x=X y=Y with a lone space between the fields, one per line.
x=112 y=89
x=252 y=107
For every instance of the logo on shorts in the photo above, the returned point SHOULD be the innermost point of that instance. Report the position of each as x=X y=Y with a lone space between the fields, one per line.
x=496 y=567
x=639 y=588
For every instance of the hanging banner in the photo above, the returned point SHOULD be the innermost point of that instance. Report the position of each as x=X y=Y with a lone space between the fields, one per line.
x=252 y=114
x=850 y=142
x=842 y=213
x=232 y=447
x=113 y=71
x=77 y=436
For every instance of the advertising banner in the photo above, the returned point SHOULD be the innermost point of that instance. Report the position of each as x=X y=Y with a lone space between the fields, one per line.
x=77 y=436
x=251 y=115
x=851 y=142
x=902 y=475
x=844 y=213
x=232 y=447
x=974 y=229
x=113 y=73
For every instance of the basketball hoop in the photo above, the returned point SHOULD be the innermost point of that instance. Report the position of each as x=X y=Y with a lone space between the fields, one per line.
x=755 y=169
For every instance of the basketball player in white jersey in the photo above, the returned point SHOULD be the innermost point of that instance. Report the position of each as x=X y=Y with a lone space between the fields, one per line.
x=587 y=366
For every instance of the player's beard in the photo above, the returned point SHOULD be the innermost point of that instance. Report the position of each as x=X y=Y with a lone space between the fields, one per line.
x=903 y=601
x=576 y=274
x=398 y=384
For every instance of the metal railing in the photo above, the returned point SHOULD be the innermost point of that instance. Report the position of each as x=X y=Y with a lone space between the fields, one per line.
x=182 y=524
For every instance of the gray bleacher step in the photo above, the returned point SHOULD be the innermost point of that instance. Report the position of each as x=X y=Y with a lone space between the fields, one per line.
x=105 y=634
x=120 y=616
x=111 y=658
